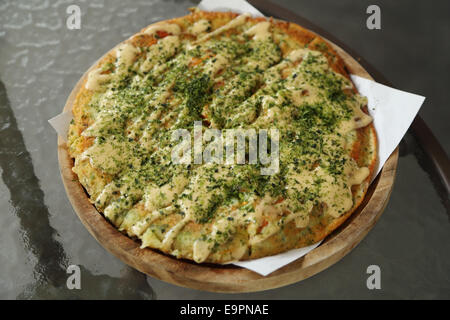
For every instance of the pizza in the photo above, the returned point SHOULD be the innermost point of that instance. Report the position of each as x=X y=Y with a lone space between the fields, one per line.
x=222 y=72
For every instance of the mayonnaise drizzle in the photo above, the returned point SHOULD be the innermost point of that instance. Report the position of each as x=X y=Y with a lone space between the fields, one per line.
x=159 y=52
x=239 y=20
x=200 y=26
x=260 y=31
x=167 y=27
x=126 y=54
x=96 y=79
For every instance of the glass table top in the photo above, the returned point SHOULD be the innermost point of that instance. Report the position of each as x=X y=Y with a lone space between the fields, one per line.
x=40 y=234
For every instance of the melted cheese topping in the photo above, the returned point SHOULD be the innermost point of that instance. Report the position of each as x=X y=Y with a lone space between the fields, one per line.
x=247 y=84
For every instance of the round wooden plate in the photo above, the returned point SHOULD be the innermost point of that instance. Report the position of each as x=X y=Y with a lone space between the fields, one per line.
x=219 y=278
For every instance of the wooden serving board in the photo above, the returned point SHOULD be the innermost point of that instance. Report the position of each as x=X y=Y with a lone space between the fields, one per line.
x=219 y=278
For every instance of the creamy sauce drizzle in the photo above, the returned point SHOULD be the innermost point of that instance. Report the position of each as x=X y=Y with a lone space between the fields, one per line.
x=164 y=49
x=260 y=31
x=200 y=26
x=239 y=20
x=166 y=27
x=96 y=79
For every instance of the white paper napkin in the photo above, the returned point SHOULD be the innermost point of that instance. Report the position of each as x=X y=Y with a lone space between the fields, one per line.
x=237 y=6
x=393 y=112
x=61 y=123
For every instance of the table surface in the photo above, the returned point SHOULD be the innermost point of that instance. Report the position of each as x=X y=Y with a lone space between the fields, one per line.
x=40 y=234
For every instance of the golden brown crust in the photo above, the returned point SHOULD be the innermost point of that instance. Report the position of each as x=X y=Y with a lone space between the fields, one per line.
x=364 y=150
